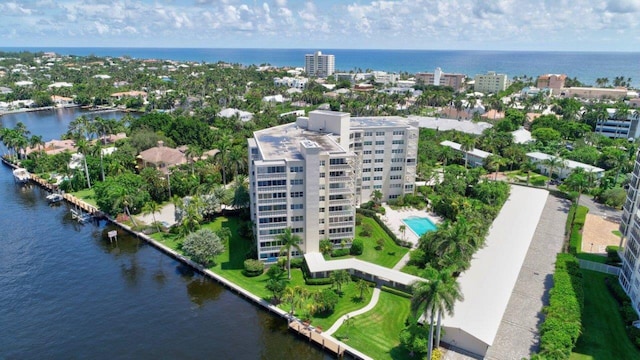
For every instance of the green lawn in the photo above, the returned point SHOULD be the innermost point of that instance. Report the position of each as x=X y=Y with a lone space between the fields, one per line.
x=603 y=333
x=87 y=195
x=377 y=332
x=231 y=263
x=389 y=255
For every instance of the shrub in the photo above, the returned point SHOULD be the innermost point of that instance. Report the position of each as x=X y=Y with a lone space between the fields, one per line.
x=340 y=252
x=380 y=244
x=563 y=323
x=367 y=230
x=359 y=218
x=253 y=267
x=318 y=281
x=396 y=292
x=202 y=246
x=612 y=255
x=326 y=300
x=356 y=247
x=296 y=263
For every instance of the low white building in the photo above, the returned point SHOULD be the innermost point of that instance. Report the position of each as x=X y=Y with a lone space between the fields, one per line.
x=273 y=98
x=565 y=167
x=475 y=157
x=231 y=112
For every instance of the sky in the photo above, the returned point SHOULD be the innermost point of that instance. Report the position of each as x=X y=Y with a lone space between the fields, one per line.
x=554 y=25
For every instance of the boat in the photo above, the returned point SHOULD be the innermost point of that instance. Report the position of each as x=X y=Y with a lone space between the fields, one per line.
x=21 y=175
x=54 y=198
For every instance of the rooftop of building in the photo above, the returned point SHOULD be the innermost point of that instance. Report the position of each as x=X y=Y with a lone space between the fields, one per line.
x=570 y=164
x=283 y=142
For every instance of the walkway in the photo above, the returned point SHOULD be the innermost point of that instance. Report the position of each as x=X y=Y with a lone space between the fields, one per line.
x=343 y=318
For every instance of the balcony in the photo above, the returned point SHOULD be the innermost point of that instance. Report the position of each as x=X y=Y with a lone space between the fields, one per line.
x=344 y=190
x=271 y=176
x=271 y=189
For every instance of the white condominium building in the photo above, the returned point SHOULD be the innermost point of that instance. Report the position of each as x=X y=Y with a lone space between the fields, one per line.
x=490 y=82
x=319 y=65
x=310 y=175
x=630 y=229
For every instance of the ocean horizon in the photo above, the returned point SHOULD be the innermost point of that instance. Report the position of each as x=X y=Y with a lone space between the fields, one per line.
x=585 y=66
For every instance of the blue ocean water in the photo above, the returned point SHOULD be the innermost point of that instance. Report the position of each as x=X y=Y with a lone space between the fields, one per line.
x=419 y=225
x=586 y=66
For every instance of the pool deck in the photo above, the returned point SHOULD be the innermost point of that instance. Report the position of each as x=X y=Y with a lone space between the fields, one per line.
x=393 y=219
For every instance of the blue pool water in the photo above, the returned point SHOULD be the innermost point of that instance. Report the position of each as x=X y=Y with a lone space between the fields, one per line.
x=419 y=225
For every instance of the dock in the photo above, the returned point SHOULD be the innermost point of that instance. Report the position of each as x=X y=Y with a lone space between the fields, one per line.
x=315 y=335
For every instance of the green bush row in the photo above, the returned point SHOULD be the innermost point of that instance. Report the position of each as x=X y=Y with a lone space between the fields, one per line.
x=372 y=214
x=625 y=307
x=318 y=281
x=563 y=322
x=396 y=292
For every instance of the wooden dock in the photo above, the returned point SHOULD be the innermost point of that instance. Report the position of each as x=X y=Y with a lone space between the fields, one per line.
x=315 y=336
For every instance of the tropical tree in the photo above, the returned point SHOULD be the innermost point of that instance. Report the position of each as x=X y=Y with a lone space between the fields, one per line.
x=467 y=144
x=434 y=298
x=376 y=196
x=494 y=162
x=202 y=246
x=339 y=278
x=83 y=147
x=152 y=207
x=362 y=287
x=35 y=142
x=224 y=145
x=289 y=242
x=578 y=181
x=193 y=153
x=528 y=166
x=403 y=229
x=552 y=163
x=295 y=297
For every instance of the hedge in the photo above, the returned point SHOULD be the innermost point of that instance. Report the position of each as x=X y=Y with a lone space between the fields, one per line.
x=563 y=322
x=372 y=214
x=626 y=310
x=396 y=292
x=318 y=281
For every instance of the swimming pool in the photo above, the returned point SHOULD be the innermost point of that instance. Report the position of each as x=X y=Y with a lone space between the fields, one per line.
x=419 y=225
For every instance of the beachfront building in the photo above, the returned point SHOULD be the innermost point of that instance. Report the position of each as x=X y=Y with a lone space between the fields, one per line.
x=440 y=78
x=554 y=82
x=319 y=65
x=565 y=167
x=474 y=157
x=630 y=229
x=595 y=93
x=490 y=82
x=617 y=126
x=311 y=174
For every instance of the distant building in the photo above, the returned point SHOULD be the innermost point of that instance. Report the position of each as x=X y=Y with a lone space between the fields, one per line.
x=292 y=82
x=594 y=93
x=555 y=82
x=231 y=112
x=383 y=77
x=440 y=78
x=617 y=127
x=319 y=65
x=490 y=82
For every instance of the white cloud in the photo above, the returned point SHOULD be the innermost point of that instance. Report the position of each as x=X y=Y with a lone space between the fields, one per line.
x=477 y=24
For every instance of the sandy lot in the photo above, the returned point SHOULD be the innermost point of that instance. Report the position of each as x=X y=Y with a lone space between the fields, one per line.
x=597 y=234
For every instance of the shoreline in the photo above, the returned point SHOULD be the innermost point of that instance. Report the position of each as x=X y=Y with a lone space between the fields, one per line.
x=238 y=290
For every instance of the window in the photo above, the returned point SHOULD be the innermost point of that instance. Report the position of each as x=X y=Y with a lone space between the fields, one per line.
x=396 y=168
x=366 y=187
x=395 y=177
x=379 y=143
x=411 y=161
x=397 y=160
x=366 y=170
x=378 y=169
x=322 y=162
x=397 y=151
x=366 y=178
x=321 y=198
x=297 y=206
x=339 y=161
x=377 y=178
x=379 y=133
x=379 y=151
x=296 y=169
x=296 y=182
x=297 y=194
x=367 y=152
x=367 y=143
x=397 y=142
x=366 y=161
x=297 y=218
x=272 y=183
x=379 y=160
x=377 y=186
x=398 y=132
x=271 y=169
x=368 y=133
x=321 y=175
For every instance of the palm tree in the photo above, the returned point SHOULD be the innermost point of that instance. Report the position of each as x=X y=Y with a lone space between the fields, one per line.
x=289 y=242
x=436 y=296
x=295 y=297
x=495 y=162
x=376 y=196
x=362 y=287
x=553 y=163
x=152 y=207
x=224 y=145
x=466 y=145
x=403 y=229
x=193 y=152
x=35 y=141
x=578 y=181
x=83 y=148
x=528 y=167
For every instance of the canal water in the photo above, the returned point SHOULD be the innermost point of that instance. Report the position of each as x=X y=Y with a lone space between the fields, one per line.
x=67 y=292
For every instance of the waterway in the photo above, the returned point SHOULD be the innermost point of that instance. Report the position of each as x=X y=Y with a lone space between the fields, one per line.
x=67 y=292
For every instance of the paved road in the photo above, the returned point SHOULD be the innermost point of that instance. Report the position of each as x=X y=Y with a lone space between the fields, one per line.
x=605 y=211
x=518 y=335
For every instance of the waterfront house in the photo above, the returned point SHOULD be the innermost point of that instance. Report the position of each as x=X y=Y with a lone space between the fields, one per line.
x=161 y=157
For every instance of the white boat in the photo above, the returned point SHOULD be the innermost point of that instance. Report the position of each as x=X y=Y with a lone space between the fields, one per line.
x=21 y=175
x=54 y=198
